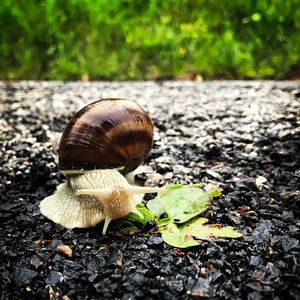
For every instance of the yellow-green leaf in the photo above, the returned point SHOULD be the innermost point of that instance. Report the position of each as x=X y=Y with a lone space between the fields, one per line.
x=172 y=236
x=182 y=202
x=189 y=234
x=176 y=214
x=198 y=230
x=156 y=207
x=178 y=240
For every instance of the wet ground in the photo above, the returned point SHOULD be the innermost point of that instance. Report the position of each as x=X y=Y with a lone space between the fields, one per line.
x=242 y=136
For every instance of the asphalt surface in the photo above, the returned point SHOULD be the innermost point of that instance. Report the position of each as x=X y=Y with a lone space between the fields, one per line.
x=242 y=136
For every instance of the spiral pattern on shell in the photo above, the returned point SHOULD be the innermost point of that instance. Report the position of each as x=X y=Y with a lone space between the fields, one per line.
x=106 y=134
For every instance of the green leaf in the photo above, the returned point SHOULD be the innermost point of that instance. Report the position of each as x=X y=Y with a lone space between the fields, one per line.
x=178 y=240
x=124 y=226
x=147 y=215
x=256 y=17
x=214 y=192
x=134 y=217
x=197 y=229
x=189 y=234
x=176 y=214
x=172 y=236
x=163 y=222
x=156 y=207
x=228 y=232
x=184 y=202
x=133 y=222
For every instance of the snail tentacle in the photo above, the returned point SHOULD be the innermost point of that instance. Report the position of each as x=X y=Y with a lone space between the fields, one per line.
x=107 y=220
x=134 y=190
x=99 y=193
x=131 y=190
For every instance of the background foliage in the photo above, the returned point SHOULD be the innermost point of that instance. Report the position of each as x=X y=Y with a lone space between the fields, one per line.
x=127 y=39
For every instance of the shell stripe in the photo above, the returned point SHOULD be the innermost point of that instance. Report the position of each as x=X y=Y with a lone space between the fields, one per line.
x=106 y=134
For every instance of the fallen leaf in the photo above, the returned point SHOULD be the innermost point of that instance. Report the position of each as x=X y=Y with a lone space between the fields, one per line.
x=176 y=214
x=182 y=202
x=197 y=229
x=177 y=240
x=64 y=249
x=156 y=206
x=119 y=263
x=188 y=235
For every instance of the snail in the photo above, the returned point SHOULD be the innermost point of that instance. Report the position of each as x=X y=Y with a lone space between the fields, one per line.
x=102 y=142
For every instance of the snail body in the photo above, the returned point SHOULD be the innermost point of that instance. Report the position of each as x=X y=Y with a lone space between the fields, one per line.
x=103 y=140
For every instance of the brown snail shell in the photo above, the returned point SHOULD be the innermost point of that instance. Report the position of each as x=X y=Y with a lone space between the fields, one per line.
x=106 y=134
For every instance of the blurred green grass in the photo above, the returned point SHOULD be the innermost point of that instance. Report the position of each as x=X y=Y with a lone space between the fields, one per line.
x=130 y=40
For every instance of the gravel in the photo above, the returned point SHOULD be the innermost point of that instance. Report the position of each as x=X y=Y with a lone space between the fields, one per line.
x=242 y=136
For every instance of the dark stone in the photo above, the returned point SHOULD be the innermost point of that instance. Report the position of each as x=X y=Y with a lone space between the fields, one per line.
x=287 y=243
x=24 y=276
x=138 y=279
x=36 y=261
x=175 y=286
x=94 y=278
x=53 y=278
x=72 y=270
x=255 y=261
x=155 y=241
